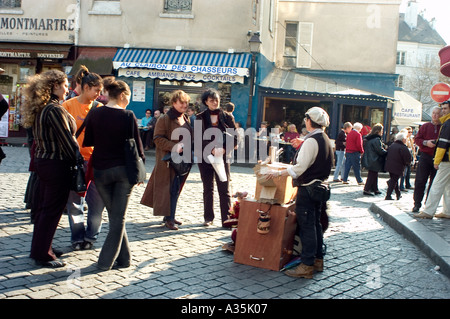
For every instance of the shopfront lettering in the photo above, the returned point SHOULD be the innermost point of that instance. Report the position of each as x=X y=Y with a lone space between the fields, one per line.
x=22 y=55
x=186 y=76
x=37 y=24
x=216 y=70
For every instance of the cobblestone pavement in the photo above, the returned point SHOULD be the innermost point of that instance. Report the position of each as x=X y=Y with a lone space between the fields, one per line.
x=366 y=258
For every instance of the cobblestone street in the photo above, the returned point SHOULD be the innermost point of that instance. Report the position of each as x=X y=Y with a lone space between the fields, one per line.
x=365 y=258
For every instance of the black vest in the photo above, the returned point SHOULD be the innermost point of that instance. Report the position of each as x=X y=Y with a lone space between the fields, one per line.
x=321 y=168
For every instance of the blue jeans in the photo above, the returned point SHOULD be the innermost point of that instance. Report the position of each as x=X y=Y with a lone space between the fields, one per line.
x=340 y=162
x=75 y=211
x=115 y=190
x=174 y=194
x=353 y=160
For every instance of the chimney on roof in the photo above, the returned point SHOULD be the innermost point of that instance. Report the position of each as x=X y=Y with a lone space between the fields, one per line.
x=411 y=14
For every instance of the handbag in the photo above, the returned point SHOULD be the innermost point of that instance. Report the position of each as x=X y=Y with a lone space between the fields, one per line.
x=78 y=181
x=181 y=168
x=133 y=162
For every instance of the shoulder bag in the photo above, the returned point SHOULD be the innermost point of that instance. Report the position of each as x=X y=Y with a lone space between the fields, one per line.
x=181 y=168
x=78 y=181
x=133 y=162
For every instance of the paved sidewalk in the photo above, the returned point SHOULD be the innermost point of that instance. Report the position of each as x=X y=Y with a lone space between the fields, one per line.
x=366 y=258
x=432 y=236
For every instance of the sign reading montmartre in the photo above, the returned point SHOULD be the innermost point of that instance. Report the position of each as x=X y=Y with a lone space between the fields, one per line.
x=36 y=28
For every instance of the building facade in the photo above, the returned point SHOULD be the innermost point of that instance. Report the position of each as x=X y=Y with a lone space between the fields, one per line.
x=33 y=39
x=336 y=54
x=417 y=60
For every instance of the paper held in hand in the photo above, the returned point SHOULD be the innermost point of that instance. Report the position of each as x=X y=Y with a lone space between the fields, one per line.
x=219 y=166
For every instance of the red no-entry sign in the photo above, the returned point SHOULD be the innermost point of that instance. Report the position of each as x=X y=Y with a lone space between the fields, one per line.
x=440 y=92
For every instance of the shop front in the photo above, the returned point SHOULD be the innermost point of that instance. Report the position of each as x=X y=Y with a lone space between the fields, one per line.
x=21 y=60
x=286 y=96
x=154 y=74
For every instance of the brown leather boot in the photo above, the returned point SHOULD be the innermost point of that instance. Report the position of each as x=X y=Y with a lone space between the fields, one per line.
x=301 y=271
x=318 y=265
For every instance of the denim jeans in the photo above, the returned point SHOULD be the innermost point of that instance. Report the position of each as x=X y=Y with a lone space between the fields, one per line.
x=75 y=210
x=340 y=164
x=174 y=194
x=115 y=190
x=353 y=160
x=309 y=227
x=405 y=178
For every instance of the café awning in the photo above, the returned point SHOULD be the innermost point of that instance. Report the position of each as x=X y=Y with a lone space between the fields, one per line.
x=216 y=63
x=407 y=110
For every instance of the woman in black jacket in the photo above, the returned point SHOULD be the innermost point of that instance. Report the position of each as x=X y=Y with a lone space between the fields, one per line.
x=398 y=156
x=215 y=122
x=373 y=159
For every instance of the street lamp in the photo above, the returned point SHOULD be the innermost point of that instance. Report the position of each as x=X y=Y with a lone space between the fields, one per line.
x=255 y=43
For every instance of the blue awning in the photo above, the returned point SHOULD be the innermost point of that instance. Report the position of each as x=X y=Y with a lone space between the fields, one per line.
x=216 y=63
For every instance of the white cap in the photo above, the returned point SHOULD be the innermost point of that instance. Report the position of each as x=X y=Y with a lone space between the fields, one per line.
x=319 y=116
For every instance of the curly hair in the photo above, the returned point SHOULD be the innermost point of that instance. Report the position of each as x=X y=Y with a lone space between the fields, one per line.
x=38 y=92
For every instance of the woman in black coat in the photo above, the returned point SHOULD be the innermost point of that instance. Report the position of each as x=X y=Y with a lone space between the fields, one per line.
x=214 y=122
x=373 y=159
x=398 y=156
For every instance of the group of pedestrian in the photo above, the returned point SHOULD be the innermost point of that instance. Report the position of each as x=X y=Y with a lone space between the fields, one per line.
x=79 y=132
x=440 y=184
x=84 y=131
x=429 y=146
x=147 y=129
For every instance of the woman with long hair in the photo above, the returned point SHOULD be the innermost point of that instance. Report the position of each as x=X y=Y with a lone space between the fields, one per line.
x=55 y=152
x=107 y=128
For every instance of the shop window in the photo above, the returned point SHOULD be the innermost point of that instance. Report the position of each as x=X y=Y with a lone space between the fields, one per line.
x=195 y=89
x=106 y=7
x=10 y=3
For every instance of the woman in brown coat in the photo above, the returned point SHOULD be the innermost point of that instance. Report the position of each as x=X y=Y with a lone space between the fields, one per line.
x=164 y=186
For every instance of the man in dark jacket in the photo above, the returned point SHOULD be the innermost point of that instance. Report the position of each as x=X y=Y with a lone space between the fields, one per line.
x=398 y=156
x=426 y=141
x=441 y=183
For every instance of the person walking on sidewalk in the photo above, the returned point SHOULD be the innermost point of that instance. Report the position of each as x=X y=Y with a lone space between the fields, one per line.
x=441 y=183
x=340 y=151
x=84 y=237
x=312 y=166
x=426 y=140
x=398 y=156
x=373 y=159
x=56 y=151
x=353 y=152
